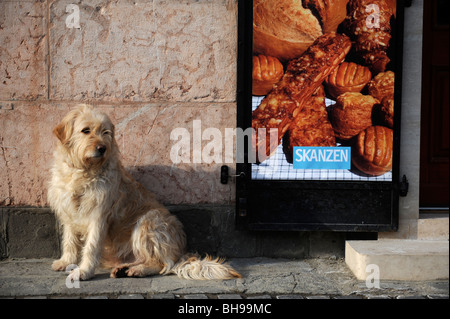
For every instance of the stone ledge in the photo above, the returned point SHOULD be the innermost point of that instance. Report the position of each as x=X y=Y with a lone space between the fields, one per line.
x=32 y=232
x=399 y=259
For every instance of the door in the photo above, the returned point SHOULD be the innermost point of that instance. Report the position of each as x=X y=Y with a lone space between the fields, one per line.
x=434 y=173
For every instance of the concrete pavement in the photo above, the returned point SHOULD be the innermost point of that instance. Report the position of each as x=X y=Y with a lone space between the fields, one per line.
x=262 y=278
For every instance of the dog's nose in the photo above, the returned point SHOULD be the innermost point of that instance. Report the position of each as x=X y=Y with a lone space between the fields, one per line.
x=101 y=149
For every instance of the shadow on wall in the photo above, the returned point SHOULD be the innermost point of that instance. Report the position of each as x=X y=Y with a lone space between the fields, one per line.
x=186 y=184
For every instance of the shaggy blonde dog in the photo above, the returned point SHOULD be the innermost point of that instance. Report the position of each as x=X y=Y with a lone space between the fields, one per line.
x=107 y=216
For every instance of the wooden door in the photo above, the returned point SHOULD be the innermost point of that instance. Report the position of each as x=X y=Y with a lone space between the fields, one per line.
x=434 y=172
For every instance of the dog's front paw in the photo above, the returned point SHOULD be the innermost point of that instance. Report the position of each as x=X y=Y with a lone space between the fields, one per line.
x=60 y=265
x=79 y=274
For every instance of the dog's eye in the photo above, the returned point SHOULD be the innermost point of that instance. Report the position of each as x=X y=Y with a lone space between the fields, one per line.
x=106 y=132
x=86 y=130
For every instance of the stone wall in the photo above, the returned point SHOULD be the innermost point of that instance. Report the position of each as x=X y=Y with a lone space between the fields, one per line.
x=152 y=65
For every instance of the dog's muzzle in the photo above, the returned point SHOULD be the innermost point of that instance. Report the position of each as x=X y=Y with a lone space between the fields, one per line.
x=100 y=150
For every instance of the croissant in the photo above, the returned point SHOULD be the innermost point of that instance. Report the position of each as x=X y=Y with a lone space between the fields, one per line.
x=368 y=25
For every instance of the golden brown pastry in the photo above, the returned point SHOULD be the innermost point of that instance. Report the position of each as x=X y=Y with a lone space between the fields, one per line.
x=286 y=28
x=302 y=78
x=387 y=111
x=267 y=71
x=372 y=152
x=382 y=85
x=310 y=127
x=368 y=25
x=352 y=114
x=348 y=77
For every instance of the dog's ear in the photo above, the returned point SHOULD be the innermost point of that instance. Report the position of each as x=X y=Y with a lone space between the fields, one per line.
x=64 y=130
x=61 y=132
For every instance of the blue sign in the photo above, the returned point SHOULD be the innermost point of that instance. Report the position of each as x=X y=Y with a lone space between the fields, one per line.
x=322 y=157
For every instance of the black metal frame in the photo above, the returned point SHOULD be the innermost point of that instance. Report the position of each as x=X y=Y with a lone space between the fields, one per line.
x=314 y=205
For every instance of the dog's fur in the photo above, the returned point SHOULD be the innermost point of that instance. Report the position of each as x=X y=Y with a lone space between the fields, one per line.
x=107 y=216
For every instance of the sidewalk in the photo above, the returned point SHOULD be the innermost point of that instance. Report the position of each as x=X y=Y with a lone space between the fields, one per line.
x=263 y=278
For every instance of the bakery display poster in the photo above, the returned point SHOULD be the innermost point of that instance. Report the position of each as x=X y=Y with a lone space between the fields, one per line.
x=323 y=90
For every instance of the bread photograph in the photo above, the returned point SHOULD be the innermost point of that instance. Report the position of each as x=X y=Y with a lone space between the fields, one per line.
x=286 y=28
x=323 y=77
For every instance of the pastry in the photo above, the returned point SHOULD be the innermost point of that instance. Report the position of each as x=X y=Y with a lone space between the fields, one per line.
x=387 y=112
x=310 y=127
x=368 y=25
x=267 y=71
x=372 y=152
x=382 y=85
x=348 y=77
x=286 y=28
x=302 y=78
x=351 y=114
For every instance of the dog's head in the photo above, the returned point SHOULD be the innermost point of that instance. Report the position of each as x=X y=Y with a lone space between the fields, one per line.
x=87 y=136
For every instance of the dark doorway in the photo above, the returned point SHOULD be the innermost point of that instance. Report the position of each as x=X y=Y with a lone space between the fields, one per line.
x=434 y=163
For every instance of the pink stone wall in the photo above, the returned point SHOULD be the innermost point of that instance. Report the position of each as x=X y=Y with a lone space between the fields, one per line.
x=153 y=66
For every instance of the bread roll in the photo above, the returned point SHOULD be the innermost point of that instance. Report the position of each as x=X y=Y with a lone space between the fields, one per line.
x=372 y=152
x=348 y=77
x=383 y=85
x=352 y=114
x=267 y=71
x=286 y=28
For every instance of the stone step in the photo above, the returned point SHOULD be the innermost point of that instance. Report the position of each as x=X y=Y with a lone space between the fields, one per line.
x=398 y=259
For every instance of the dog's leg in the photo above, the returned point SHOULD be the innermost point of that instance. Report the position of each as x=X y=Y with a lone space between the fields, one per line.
x=71 y=245
x=157 y=242
x=92 y=249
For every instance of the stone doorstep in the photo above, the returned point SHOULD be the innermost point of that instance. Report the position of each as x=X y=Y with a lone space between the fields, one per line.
x=433 y=228
x=412 y=260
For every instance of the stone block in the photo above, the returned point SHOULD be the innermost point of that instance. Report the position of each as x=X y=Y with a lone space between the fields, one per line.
x=411 y=260
x=433 y=228
x=23 y=42
x=144 y=50
x=32 y=234
x=26 y=147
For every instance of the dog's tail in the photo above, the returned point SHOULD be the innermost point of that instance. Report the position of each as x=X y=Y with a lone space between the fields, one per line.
x=193 y=267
